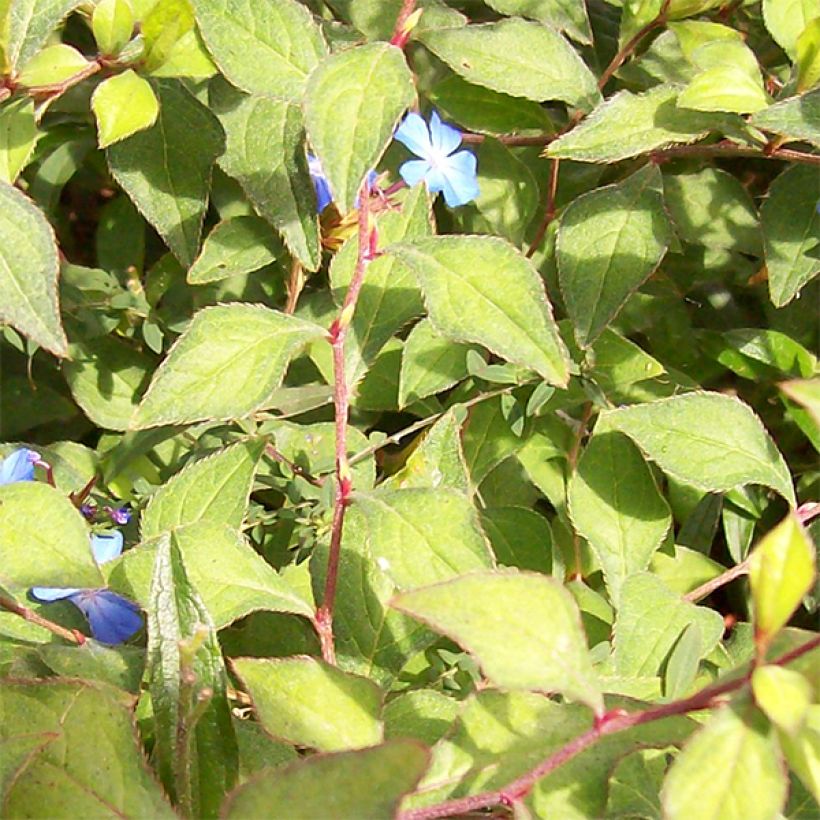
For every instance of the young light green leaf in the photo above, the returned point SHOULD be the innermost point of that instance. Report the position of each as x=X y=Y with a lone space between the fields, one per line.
x=628 y=124
x=214 y=489
x=786 y=19
x=231 y=576
x=805 y=392
x=269 y=47
x=419 y=536
x=796 y=118
x=615 y=504
x=233 y=248
x=565 y=15
x=106 y=377
x=226 y=364
x=334 y=710
x=784 y=695
x=430 y=363
x=73 y=724
x=524 y=629
x=610 y=241
x=802 y=752
x=52 y=66
x=182 y=643
x=175 y=156
x=730 y=769
x=113 y=24
x=352 y=103
x=459 y=279
x=27 y=26
x=712 y=441
x=781 y=572
x=18 y=135
x=651 y=619
x=264 y=153
x=123 y=104
x=808 y=56
x=791 y=225
x=29 y=268
x=45 y=539
x=516 y=57
x=363 y=783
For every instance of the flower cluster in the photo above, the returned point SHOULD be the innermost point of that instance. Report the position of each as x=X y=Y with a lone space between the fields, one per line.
x=112 y=618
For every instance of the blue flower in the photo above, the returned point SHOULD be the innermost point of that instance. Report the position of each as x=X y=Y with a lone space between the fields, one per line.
x=320 y=184
x=441 y=166
x=112 y=618
x=19 y=466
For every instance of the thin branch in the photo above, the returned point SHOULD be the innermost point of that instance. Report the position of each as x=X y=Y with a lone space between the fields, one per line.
x=549 y=209
x=368 y=237
x=70 y=635
x=613 y=722
x=725 y=148
x=572 y=463
x=293 y=466
x=53 y=90
x=401 y=31
x=706 y=589
x=469 y=138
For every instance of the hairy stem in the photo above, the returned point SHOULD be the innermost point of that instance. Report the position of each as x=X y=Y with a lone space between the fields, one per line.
x=31 y=616
x=400 y=33
x=704 y=590
x=323 y=619
x=292 y=466
x=549 y=209
x=615 y=721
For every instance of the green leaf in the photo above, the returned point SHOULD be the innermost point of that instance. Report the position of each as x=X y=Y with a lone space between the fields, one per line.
x=182 y=644
x=227 y=363
x=730 y=769
x=566 y=15
x=352 y=103
x=519 y=537
x=508 y=192
x=348 y=785
x=29 y=269
x=18 y=135
x=166 y=170
x=488 y=439
x=615 y=504
x=516 y=57
x=805 y=392
x=27 y=26
x=123 y=105
x=52 y=66
x=781 y=572
x=724 y=88
x=419 y=536
x=524 y=629
x=390 y=295
x=755 y=352
x=120 y=666
x=683 y=663
x=796 y=118
x=430 y=363
x=712 y=441
x=75 y=725
x=808 y=56
x=711 y=207
x=783 y=695
x=333 y=711
x=610 y=241
x=791 y=226
x=269 y=47
x=231 y=576
x=234 y=247
x=216 y=488
x=45 y=539
x=113 y=24
x=786 y=19
x=628 y=124
x=423 y=714
x=264 y=153
x=106 y=376
x=651 y=619
x=488 y=112
x=803 y=751
x=458 y=276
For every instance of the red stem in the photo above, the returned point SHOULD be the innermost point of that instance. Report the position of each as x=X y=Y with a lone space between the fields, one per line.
x=31 y=616
x=400 y=36
x=323 y=619
x=611 y=723
x=549 y=210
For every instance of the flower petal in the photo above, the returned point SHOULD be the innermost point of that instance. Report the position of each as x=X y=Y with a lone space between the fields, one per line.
x=461 y=184
x=48 y=594
x=445 y=138
x=106 y=546
x=320 y=183
x=414 y=134
x=19 y=466
x=112 y=618
x=414 y=170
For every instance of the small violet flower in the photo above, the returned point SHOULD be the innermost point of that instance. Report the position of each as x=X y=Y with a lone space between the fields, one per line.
x=441 y=166
x=112 y=618
x=119 y=515
x=19 y=466
x=321 y=185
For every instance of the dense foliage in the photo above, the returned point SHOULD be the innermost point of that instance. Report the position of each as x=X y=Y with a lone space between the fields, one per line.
x=409 y=410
